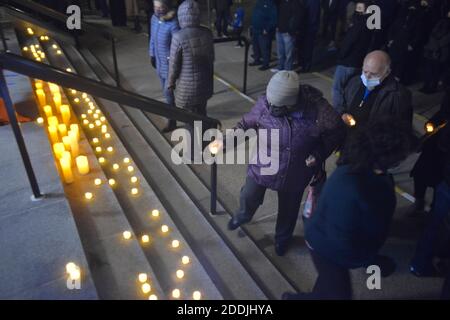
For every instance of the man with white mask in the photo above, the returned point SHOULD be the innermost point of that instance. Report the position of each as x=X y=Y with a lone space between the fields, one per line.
x=375 y=93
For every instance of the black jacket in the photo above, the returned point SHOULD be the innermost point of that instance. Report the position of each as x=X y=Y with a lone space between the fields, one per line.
x=291 y=13
x=392 y=99
x=438 y=46
x=356 y=43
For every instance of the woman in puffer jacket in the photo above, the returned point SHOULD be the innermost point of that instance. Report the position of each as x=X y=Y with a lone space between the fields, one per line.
x=163 y=25
x=309 y=131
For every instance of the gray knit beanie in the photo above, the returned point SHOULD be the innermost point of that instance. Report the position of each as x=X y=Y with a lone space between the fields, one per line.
x=282 y=89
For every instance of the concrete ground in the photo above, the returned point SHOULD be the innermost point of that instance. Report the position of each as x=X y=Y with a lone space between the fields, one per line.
x=228 y=106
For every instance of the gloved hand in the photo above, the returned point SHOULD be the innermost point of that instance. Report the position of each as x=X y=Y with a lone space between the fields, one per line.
x=153 y=61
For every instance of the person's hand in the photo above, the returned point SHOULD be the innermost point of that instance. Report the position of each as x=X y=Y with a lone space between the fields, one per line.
x=348 y=119
x=310 y=161
x=216 y=146
x=153 y=61
x=171 y=87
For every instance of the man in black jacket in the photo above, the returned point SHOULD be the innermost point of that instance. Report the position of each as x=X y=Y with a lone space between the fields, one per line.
x=375 y=94
x=352 y=52
x=290 y=14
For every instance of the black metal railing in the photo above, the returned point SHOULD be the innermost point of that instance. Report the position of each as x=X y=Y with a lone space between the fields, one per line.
x=30 y=68
x=247 y=47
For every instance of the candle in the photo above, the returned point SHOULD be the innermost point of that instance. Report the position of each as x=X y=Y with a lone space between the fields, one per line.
x=40 y=120
x=130 y=168
x=62 y=128
x=57 y=101
x=82 y=165
x=155 y=213
x=66 y=170
x=53 y=132
x=65 y=113
x=66 y=155
x=104 y=128
x=185 y=260
x=175 y=244
x=30 y=31
x=88 y=195
x=101 y=160
x=134 y=191
x=112 y=182
x=127 y=235
x=48 y=111
x=176 y=293
x=53 y=121
x=142 y=277
x=53 y=88
x=146 y=288
x=126 y=160
x=153 y=297
x=76 y=130
x=38 y=84
x=41 y=96
x=164 y=228
x=196 y=295
x=145 y=239
x=180 y=274
x=58 y=148
x=133 y=179
x=98 y=182
x=73 y=144
x=66 y=140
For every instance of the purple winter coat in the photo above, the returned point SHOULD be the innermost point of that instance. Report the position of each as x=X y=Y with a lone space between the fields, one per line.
x=316 y=129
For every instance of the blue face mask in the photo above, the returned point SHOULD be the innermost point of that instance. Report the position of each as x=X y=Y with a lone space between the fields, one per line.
x=370 y=83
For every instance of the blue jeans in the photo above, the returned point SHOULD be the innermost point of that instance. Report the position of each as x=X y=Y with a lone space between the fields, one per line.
x=341 y=77
x=170 y=99
x=428 y=243
x=261 y=47
x=285 y=49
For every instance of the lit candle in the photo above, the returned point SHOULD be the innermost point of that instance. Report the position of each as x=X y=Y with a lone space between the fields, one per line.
x=66 y=170
x=107 y=135
x=73 y=91
x=133 y=179
x=146 y=288
x=429 y=127
x=82 y=164
x=66 y=140
x=30 y=31
x=84 y=95
x=126 y=160
x=38 y=84
x=104 y=128
x=66 y=155
x=145 y=239
x=110 y=149
x=53 y=132
x=185 y=260
x=54 y=46
x=98 y=182
x=176 y=293
x=65 y=113
x=98 y=123
x=96 y=117
x=180 y=274
x=115 y=166
x=83 y=116
x=95 y=141
x=73 y=144
x=175 y=244
x=58 y=148
x=142 y=277
x=134 y=191
x=164 y=228
x=127 y=236
x=76 y=100
x=48 y=111
x=88 y=195
x=41 y=96
x=54 y=88
x=112 y=182
x=91 y=126
x=155 y=213
x=53 y=121
x=130 y=168
x=62 y=128
x=57 y=101
x=40 y=120
x=58 y=52
x=101 y=160
x=74 y=128
x=196 y=295
x=153 y=297
x=70 y=267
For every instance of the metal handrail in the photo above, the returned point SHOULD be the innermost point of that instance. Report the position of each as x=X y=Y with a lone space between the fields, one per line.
x=247 y=47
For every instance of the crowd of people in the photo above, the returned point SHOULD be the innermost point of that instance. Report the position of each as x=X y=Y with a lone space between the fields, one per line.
x=368 y=123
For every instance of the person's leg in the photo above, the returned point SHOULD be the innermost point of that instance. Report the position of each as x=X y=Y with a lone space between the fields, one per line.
x=280 y=50
x=256 y=49
x=421 y=264
x=251 y=197
x=288 y=210
x=219 y=23
x=333 y=282
x=341 y=76
x=265 y=44
x=445 y=295
x=170 y=99
x=420 y=188
x=289 y=43
x=225 y=17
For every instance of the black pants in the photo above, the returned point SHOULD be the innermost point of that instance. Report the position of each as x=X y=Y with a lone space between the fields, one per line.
x=420 y=187
x=252 y=196
x=222 y=22
x=333 y=281
x=118 y=13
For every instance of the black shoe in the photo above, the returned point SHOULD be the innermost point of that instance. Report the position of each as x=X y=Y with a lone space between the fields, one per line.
x=255 y=63
x=281 y=248
x=264 y=68
x=235 y=223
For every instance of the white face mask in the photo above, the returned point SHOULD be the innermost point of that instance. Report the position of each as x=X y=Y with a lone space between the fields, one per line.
x=370 y=83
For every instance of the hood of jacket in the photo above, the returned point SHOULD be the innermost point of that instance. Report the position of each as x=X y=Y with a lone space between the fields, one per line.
x=189 y=14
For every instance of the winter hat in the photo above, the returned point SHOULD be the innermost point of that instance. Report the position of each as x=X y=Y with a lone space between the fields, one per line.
x=282 y=89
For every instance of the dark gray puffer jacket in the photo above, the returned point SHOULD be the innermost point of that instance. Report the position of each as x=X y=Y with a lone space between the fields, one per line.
x=191 y=58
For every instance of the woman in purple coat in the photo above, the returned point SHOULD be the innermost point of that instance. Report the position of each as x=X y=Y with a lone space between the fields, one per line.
x=309 y=131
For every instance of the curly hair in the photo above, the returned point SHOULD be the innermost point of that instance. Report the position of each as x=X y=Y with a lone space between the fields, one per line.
x=382 y=144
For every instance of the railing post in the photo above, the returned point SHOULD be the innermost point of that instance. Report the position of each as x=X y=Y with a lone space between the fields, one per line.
x=2 y=34
x=116 y=68
x=214 y=188
x=247 y=46
x=19 y=138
